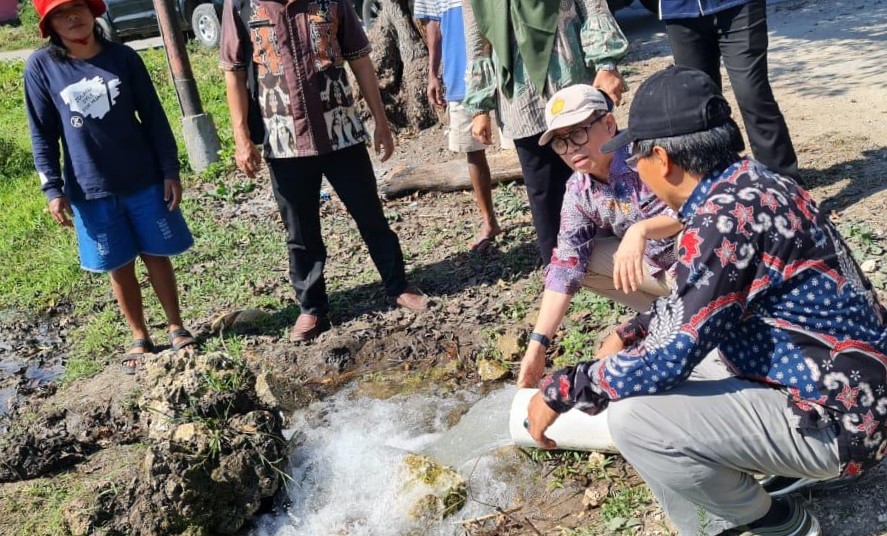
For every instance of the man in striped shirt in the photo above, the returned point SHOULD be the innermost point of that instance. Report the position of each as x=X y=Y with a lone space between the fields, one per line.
x=445 y=35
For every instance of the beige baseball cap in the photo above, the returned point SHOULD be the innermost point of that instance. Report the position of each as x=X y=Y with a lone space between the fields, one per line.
x=571 y=106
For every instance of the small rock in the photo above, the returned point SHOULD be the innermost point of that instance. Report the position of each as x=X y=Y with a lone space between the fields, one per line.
x=882 y=518
x=194 y=436
x=509 y=346
x=431 y=490
x=491 y=370
x=264 y=391
x=869 y=266
x=239 y=318
x=595 y=494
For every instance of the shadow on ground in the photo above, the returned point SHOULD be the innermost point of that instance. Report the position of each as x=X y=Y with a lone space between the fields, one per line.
x=848 y=182
x=440 y=280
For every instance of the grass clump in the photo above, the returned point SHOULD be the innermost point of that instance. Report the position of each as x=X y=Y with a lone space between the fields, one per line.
x=25 y=34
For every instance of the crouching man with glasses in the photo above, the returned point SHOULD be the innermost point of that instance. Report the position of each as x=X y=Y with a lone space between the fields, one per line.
x=763 y=278
x=614 y=233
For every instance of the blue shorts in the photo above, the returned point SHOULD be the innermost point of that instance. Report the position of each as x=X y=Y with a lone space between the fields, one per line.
x=112 y=231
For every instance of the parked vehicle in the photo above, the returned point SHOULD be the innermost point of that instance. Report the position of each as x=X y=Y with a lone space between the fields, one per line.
x=127 y=19
x=8 y=11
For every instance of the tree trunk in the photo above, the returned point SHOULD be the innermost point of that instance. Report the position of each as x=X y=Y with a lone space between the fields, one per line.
x=401 y=59
x=448 y=176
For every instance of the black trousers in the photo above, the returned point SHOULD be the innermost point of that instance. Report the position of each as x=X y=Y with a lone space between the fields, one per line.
x=545 y=175
x=296 y=184
x=739 y=36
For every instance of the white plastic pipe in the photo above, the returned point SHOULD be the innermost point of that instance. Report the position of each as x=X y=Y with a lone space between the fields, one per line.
x=574 y=430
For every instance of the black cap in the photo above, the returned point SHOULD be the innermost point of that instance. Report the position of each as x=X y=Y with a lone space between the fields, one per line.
x=675 y=101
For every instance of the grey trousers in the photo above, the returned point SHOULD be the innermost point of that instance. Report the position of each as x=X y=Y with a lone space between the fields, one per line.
x=698 y=445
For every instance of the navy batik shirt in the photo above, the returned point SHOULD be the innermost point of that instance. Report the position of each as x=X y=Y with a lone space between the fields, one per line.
x=105 y=112
x=766 y=279
x=687 y=9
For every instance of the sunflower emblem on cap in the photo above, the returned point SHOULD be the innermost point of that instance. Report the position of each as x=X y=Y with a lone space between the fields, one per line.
x=557 y=106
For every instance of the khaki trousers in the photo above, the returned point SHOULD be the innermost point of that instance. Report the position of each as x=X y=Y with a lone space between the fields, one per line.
x=599 y=278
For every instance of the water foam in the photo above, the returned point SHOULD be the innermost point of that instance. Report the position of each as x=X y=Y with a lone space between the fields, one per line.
x=346 y=478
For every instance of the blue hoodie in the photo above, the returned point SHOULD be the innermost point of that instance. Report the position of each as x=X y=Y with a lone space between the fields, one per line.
x=110 y=122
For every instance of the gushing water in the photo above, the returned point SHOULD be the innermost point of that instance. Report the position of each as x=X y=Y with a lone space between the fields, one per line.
x=348 y=451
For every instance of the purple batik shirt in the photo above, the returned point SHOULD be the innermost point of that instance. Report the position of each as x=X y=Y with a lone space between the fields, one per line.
x=592 y=209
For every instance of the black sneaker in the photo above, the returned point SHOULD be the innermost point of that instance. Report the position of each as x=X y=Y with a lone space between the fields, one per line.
x=799 y=522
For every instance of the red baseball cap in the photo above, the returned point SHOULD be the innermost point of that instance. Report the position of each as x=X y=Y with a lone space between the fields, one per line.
x=45 y=7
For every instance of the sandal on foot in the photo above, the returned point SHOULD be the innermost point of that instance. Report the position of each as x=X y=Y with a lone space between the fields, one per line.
x=148 y=348
x=189 y=339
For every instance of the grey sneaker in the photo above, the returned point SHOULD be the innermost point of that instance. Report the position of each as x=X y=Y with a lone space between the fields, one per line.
x=800 y=522
x=782 y=486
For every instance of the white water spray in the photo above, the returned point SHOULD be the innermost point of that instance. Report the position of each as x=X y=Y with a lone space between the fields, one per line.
x=345 y=469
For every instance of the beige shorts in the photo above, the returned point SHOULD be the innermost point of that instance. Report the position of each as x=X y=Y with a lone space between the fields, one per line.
x=460 y=138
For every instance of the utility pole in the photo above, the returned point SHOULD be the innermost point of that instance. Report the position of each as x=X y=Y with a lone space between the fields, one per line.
x=201 y=140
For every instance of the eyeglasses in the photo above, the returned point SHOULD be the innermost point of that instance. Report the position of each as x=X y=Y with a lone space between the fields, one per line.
x=578 y=137
x=632 y=161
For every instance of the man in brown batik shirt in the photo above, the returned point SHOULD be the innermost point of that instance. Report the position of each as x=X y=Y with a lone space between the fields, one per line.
x=299 y=50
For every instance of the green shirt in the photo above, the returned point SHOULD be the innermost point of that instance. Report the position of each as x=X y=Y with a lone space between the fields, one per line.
x=587 y=35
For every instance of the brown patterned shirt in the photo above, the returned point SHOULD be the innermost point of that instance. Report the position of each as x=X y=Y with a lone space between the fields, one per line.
x=300 y=49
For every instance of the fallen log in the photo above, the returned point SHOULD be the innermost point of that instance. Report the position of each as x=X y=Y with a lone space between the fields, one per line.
x=448 y=176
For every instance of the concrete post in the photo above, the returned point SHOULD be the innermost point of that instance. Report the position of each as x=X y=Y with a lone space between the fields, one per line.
x=201 y=140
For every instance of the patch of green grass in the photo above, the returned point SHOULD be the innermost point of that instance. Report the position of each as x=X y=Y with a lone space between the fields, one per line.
x=581 y=531
x=26 y=34
x=510 y=200
x=624 y=508
x=230 y=344
x=602 y=310
x=862 y=239
x=577 y=345
x=46 y=500
x=571 y=466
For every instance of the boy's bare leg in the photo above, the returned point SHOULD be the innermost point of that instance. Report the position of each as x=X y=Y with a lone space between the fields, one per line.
x=481 y=183
x=129 y=298
x=163 y=279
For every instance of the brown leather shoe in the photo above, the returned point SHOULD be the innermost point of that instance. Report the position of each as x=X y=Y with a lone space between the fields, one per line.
x=309 y=327
x=412 y=299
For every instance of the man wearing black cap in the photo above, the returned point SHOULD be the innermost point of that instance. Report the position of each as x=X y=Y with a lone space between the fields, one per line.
x=702 y=32
x=766 y=280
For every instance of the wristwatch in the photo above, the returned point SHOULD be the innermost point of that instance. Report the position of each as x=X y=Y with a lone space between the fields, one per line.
x=540 y=338
x=606 y=66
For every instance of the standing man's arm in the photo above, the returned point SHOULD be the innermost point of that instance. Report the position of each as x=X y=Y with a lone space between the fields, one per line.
x=429 y=12
x=480 y=79
x=433 y=39
x=233 y=62
x=604 y=45
x=356 y=50
x=365 y=73
x=246 y=155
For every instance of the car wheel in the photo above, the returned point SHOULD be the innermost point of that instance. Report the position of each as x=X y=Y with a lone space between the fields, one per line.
x=205 y=25
x=370 y=11
x=651 y=5
x=107 y=29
